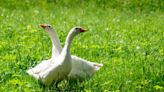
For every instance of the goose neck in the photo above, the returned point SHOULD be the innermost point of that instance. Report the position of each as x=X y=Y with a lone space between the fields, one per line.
x=55 y=41
x=51 y=34
x=68 y=41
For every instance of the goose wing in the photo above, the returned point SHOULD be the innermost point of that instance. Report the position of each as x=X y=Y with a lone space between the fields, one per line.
x=44 y=65
x=83 y=68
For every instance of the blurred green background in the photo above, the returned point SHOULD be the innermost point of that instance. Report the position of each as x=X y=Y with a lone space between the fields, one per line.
x=125 y=35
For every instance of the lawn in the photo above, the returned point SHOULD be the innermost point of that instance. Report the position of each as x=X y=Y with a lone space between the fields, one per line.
x=127 y=39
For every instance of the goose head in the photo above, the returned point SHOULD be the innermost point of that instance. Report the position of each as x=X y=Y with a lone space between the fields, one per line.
x=47 y=27
x=76 y=30
x=73 y=32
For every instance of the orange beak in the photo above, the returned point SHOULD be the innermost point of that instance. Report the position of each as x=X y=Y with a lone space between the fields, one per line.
x=43 y=25
x=82 y=30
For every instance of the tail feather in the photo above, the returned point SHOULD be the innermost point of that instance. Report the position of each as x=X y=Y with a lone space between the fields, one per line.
x=97 y=66
x=33 y=74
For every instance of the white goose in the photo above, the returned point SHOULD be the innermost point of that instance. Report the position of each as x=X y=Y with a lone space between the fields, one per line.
x=80 y=68
x=59 y=66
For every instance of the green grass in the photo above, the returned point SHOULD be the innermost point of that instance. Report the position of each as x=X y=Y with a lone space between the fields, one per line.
x=129 y=42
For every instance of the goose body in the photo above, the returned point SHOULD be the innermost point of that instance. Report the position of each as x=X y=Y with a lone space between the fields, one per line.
x=59 y=66
x=81 y=68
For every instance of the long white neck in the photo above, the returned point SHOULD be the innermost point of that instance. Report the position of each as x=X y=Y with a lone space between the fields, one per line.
x=68 y=41
x=56 y=47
